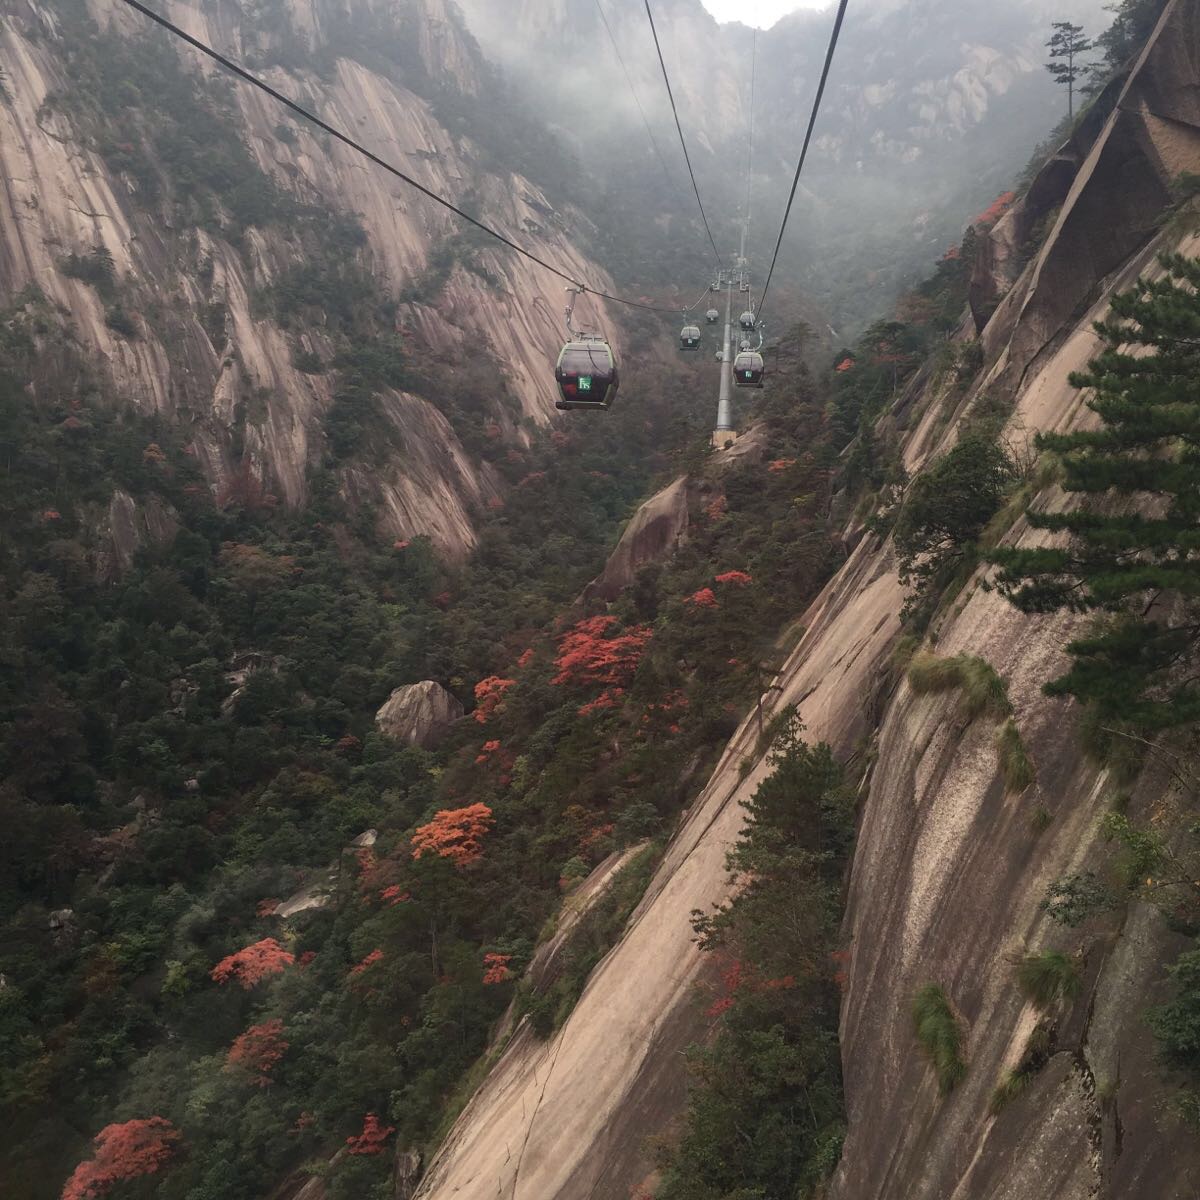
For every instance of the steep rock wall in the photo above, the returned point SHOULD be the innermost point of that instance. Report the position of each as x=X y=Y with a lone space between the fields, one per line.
x=58 y=196
x=947 y=877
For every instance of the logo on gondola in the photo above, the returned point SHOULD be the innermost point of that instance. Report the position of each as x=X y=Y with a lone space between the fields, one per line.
x=585 y=383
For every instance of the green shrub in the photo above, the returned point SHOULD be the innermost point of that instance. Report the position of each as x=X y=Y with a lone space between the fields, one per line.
x=1015 y=764
x=983 y=690
x=1176 y=1025
x=940 y=1037
x=1048 y=977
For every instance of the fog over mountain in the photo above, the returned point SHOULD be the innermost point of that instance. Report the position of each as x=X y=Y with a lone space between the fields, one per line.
x=931 y=111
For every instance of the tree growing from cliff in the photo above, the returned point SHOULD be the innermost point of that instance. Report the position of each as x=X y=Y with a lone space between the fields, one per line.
x=1130 y=545
x=1066 y=45
x=946 y=509
x=123 y=1152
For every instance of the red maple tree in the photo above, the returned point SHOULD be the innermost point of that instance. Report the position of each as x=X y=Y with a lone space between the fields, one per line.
x=125 y=1151
x=587 y=654
x=741 y=578
x=253 y=963
x=454 y=833
x=372 y=1138
x=367 y=963
x=258 y=1050
x=496 y=969
x=489 y=694
x=704 y=598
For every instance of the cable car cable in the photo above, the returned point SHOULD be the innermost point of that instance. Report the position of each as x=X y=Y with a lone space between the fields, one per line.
x=750 y=138
x=833 y=41
x=687 y=157
x=333 y=131
x=633 y=92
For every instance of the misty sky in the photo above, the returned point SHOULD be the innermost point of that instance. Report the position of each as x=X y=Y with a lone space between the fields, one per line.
x=762 y=13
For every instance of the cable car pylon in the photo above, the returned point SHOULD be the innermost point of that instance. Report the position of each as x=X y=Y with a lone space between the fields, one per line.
x=724 y=434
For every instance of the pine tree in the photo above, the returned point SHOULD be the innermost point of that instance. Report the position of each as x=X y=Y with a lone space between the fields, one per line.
x=1067 y=43
x=1133 y=541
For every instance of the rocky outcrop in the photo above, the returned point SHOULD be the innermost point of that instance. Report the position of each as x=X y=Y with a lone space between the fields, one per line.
x=418 y=713
x=652 y=535
x=949 y=868
x=1141 y=137
x=127 y=527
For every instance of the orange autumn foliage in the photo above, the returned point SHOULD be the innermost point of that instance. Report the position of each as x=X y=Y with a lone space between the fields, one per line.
x=454 y=833
x=253 y=963
x=489 y=696
x=126 y=1151
x=372 y=1138
x=496 y=968
x=258 y=1050
x=704 y=598
x=741 y=578
x=588 y=655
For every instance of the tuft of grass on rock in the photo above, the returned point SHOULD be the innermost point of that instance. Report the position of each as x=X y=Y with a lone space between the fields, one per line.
x=939 y=1035
x=1015 y=763
x=983 y=690
x=1048 y=977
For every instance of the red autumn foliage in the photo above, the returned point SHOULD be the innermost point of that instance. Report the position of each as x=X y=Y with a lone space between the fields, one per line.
x=489 y=749
x=253 y=963
x=496 y=968
x=306 y=958
x=401 y=544
x=367 y=963
x=526 y=658
x=559 y=438
x=953 y=254
x=126 y=1151
x=393 y=895
x=72 y=423
x=372 y=1138
x=607 y=699
x=348 y=744
x=731 y=979
x=776 y=465
x=741 y=578
x=995 y=210
x=489 y=696
x=454 y=833
x=704 y=598
x=847 y=364
x=587 y=655
x=259 y=1050
x=267 y=907
x=716 y=508
x=52 y=514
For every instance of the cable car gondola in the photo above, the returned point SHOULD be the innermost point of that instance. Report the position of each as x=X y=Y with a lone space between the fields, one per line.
x=587 y=374
x=747 y=321
x=712 y=316
x=689 y=337
x=748 y=369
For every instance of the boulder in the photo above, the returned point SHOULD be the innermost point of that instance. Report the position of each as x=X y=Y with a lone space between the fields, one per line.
x=418 y=713
x=651 y=536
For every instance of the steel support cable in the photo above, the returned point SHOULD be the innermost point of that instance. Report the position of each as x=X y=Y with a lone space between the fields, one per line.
x=634 y=94
x=682 y=141
x=750 y=139
x=812 y=121
x=344 y=138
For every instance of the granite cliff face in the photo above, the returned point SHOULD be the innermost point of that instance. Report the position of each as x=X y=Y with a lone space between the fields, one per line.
x=949 y=868
x=233 y=379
